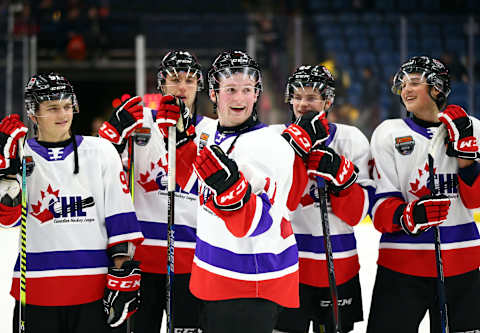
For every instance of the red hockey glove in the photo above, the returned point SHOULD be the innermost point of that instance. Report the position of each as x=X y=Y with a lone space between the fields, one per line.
x=463 y=144
x=307 y=131
x=337 y=170
x=11 y=130
x=127 y=117
x=172 y=111
x=221 y=175
x=424 y=213
x=122 y=293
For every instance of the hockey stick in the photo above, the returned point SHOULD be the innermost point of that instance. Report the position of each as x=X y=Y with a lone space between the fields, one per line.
x=23 y=244
x=172 y=150
x=437 y=142
x=327 y=243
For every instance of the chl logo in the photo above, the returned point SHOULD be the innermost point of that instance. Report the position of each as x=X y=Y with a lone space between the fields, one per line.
x=52 y=205
x=445 y=183
x=156 y=177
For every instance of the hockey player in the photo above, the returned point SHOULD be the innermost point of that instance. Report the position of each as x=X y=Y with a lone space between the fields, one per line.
x=179 y=76
x=246 y=263
x=80 y=223
x=312 y=88
x=405 y=210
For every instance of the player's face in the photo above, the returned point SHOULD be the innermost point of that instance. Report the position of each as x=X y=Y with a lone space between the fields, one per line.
x=235 y=99
x=54 y=119
x=183 y=86
x=415 y=94
x=307 y=99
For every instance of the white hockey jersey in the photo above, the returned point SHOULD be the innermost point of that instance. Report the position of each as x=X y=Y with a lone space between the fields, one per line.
x=151 y=204
x=72 y=220
x=400 y=149
x=344 y=212
x=250 y=252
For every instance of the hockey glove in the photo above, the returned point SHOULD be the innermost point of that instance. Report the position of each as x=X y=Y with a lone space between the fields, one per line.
x=172 y=111
x=11 y=130
x=337 y=170
x=424 y=213
x=462 y=142
x=307 y=131
x=220 y=173
x=127 y=117
x=122 y=293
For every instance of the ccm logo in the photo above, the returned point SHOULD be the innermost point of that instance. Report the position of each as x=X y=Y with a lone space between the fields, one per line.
x=120 y=285
x=235 y=192
x=468 y=143
x=345 y=169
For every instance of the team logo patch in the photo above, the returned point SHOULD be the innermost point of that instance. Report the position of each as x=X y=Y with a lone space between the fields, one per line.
x=404 y=144
x=61 y=209
x=142 y=136
x=203 y=140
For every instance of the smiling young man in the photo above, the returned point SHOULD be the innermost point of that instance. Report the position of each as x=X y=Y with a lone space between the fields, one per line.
x=179 y=77
x=81 y=227
x=405 y=210
x=311 y=89
x=246 y=264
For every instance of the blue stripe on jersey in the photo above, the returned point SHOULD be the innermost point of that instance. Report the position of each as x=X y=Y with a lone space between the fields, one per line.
x=417 y=128
x=54 y=154
x=56 y=260
x=158 y=230
x=332 y=129
x=448 y=234
x=246 y=263
x=314 y=244
x=388 y=194
x=123 y=223
x=265 y=220
x=371 y=198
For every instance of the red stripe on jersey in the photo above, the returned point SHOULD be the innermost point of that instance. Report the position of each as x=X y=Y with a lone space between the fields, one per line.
x=62 y=290
x=299 y=182
x=153 y=259
x=185 y=156
x=9 y=215
x=348 y=206
x=383 y=216
x=422 y=262
x=212 y=287
x=470 y=194
x=315 y=273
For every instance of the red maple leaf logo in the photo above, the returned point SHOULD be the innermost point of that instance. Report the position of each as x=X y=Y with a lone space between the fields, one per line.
x=419 y=186
x=148 y=179
x=40 y=210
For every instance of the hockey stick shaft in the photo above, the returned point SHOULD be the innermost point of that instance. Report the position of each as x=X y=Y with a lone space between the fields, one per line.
x=172 y=151
x=437 y=142
x=23 y=244
x=327 y=243
x=131 y=184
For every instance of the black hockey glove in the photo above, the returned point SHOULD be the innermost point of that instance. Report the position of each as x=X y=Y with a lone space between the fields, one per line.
x=338 y=171
x=424 y=213
x=122 y=293
x=11 y=130
x=306 y=132
x=172 y=111
x=127 y=117
x=220 y=173
x=462 y=142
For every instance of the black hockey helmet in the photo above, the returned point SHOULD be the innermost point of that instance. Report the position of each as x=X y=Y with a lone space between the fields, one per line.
x=433 y=70
x=318 y=77
x=232 y=62
x=179 y=61
x=48 y=87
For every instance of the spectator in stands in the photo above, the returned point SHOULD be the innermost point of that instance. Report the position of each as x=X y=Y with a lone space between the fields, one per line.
x=369 y=101
x=457 y=71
